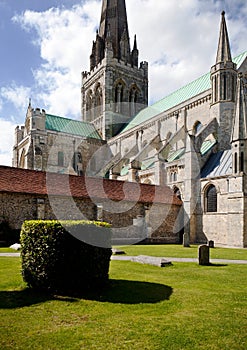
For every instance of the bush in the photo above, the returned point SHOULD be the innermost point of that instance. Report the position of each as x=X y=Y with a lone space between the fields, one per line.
x=58 y=261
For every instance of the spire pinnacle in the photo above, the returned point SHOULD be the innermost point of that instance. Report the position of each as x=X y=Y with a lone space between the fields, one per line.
x=135 y=43
x=114 y=16
x=239 y=131
x=224 y=51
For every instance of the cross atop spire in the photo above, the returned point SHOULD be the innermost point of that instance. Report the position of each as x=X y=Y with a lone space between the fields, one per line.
x=224 y=50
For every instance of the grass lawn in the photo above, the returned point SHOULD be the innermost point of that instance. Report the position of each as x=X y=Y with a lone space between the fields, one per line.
x=8 y=250
x=181 y=307
x=178 y=251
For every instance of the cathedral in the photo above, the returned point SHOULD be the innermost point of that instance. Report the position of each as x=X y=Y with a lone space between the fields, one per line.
x=193 y=140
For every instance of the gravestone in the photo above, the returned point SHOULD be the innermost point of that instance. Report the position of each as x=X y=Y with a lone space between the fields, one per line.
x=186 y=240
x=211 y=244
x=203 y=255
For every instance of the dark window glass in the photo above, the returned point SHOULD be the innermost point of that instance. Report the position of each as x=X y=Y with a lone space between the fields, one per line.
x=242 y=161
x=211 y=199
x=60 y=159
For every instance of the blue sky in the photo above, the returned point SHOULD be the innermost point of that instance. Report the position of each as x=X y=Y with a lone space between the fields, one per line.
x=45 y=46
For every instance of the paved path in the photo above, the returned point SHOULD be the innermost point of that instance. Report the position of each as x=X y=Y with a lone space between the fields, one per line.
x=133 y=258
x=213 y=261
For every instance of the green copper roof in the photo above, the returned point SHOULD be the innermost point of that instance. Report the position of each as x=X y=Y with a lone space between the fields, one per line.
x=176 y=155
x=70 y=126
x=188 y=91
x=206 y=146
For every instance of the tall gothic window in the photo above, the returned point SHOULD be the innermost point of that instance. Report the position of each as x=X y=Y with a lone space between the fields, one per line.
x=241 y=161
x=98 y=100
x=132 y=101
x=119 y=97
x=235 y=162
x=211 y=199
x=89 y=106
x=60 y=159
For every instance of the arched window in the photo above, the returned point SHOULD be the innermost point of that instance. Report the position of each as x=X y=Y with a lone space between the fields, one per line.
x=77 y=163
x=196 y=128
x=177 y=193
x=211 y=199
x=60 y=159
x=38 y=151
x=22 y=162
x=98 y=100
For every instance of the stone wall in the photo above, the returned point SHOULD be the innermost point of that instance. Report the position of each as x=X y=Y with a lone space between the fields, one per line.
x=159 y=220
x=226 y=227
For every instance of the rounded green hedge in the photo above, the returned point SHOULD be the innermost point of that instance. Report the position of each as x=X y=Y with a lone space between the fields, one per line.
x=57 y=257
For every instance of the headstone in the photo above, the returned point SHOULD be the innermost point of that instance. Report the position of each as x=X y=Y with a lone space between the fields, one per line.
x=117 y=252
x=186 y=240
x=211 y=244
x=203 y=254
x=151 y=260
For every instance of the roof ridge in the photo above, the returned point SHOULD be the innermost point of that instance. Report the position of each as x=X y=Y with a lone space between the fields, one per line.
x=193 y=81
x=198 y=86
x=66 y=118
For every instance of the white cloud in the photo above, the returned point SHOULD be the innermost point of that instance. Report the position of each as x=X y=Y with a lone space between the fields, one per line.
x=17 y=95
x=178 y=39
x=7 y=140
x=65 y=39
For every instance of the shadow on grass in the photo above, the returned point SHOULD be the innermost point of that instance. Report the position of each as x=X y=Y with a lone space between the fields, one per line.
x=27 y=297
x=132 y=292
x=217 y=265
x=116 y=291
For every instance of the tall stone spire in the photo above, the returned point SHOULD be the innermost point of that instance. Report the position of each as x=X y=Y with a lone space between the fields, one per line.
x=113 y=25
x=224 y=51
x=239 y=131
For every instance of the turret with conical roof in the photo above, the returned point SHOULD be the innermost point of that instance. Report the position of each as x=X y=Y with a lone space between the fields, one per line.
x=223 y=79
x=224 y=51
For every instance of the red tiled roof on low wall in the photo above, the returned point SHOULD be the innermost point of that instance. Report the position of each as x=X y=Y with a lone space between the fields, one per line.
x=17 y=180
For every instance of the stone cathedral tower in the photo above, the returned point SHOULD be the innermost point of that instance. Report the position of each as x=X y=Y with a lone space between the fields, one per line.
x=116 y=88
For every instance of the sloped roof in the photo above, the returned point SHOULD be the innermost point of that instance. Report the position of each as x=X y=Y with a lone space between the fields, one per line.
x=183 y=94
x=14 y=180
x=70 y=126
x=218 y=164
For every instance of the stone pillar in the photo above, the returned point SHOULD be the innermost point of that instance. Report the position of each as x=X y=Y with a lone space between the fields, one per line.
x=186 y=240
x=192 y=197
x=160 y=172
x=133 y=171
